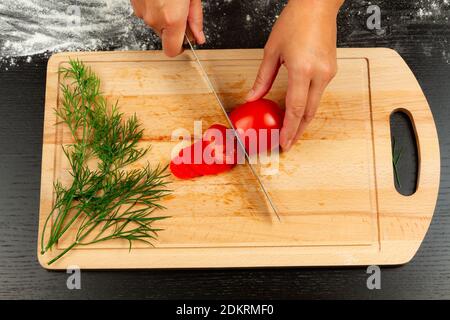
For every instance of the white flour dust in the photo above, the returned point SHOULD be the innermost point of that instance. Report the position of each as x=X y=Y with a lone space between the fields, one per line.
x=432 y=9
x=435 y=12
x=29 y=27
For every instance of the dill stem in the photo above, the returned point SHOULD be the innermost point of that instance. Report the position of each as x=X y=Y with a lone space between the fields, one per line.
x=62 y=253
x=99 y=196
x=58 y=224
x=66 y=227
x=75 y=243
x=43 y=233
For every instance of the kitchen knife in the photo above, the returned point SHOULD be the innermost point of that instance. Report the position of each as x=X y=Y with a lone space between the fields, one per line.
x=238 y=138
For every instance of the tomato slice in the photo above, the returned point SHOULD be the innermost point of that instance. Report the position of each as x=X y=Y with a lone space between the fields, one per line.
x=182 y=166
x=215 y=152
x=219 y=150
x=182 y=171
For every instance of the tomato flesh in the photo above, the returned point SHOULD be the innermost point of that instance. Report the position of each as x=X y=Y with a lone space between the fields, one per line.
x=212 y=159
x=218 y=146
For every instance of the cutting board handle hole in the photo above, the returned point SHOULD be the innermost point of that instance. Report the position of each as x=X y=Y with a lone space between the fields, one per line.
x=405 y=159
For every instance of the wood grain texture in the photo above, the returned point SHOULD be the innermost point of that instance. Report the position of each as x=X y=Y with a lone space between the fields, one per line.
x=425 y=277
x=350 y=214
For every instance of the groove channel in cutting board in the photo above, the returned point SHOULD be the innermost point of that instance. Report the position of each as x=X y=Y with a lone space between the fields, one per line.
x=334 y=188
x=228 y=210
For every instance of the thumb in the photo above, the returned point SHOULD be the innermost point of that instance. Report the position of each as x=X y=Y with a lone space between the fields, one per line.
x=266 y=75
x=195 y=20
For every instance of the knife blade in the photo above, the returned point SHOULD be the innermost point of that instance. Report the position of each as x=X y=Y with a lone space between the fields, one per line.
x=238 y=138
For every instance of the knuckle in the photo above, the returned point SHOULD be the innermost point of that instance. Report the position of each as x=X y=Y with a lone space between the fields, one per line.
x=307 y=69
x=302 y=68
x=297 y=111
x=269 y=51
x=328 y=71
x=259 y=79
x=308 y=116
x=169 y=19
x=149 y=20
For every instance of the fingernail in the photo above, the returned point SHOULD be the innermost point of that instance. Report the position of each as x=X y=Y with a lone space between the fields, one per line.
x=249 y=94
x=202 y=37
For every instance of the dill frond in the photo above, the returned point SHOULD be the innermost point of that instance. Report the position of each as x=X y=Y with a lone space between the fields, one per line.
x=110 y=201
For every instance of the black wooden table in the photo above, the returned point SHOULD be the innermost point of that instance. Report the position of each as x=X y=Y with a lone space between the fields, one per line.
x=420 y=34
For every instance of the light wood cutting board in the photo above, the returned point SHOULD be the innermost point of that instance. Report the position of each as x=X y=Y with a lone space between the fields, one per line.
x=334 y=190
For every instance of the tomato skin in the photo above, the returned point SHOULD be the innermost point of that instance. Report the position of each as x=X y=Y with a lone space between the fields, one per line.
x=257 y=115
x=220 y=152
x=212 y=160
x=183 y=165
x=182 y=171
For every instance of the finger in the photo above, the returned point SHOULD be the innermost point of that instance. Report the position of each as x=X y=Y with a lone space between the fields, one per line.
x=195 y=21
x=190 y=35
x=137 y=8
x=315 y=94
x=266 y=75
x=296 y=101
x=172 y=39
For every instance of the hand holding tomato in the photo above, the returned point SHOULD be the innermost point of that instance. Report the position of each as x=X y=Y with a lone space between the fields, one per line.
x=304 y=40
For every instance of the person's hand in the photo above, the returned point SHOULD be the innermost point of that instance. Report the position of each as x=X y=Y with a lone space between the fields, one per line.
x=304 y=40
x=169 y=19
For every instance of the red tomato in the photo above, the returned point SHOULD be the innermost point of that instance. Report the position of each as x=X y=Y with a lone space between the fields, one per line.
x=207 y=156
x=217 y=155
x=216 y=152
x=183 y=166
x=249 y=118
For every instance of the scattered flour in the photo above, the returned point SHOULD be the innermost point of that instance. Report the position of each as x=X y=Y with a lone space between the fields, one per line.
x=29 y=27
x=431 y=8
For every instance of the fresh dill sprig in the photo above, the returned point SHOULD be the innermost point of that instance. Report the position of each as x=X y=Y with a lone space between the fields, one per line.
x=109 y=201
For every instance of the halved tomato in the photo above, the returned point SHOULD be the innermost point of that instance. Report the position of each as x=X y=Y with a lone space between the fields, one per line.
x=214 y=154
x=258 y=124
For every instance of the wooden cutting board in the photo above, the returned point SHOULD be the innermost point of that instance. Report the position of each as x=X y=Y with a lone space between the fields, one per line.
x=334 y=190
